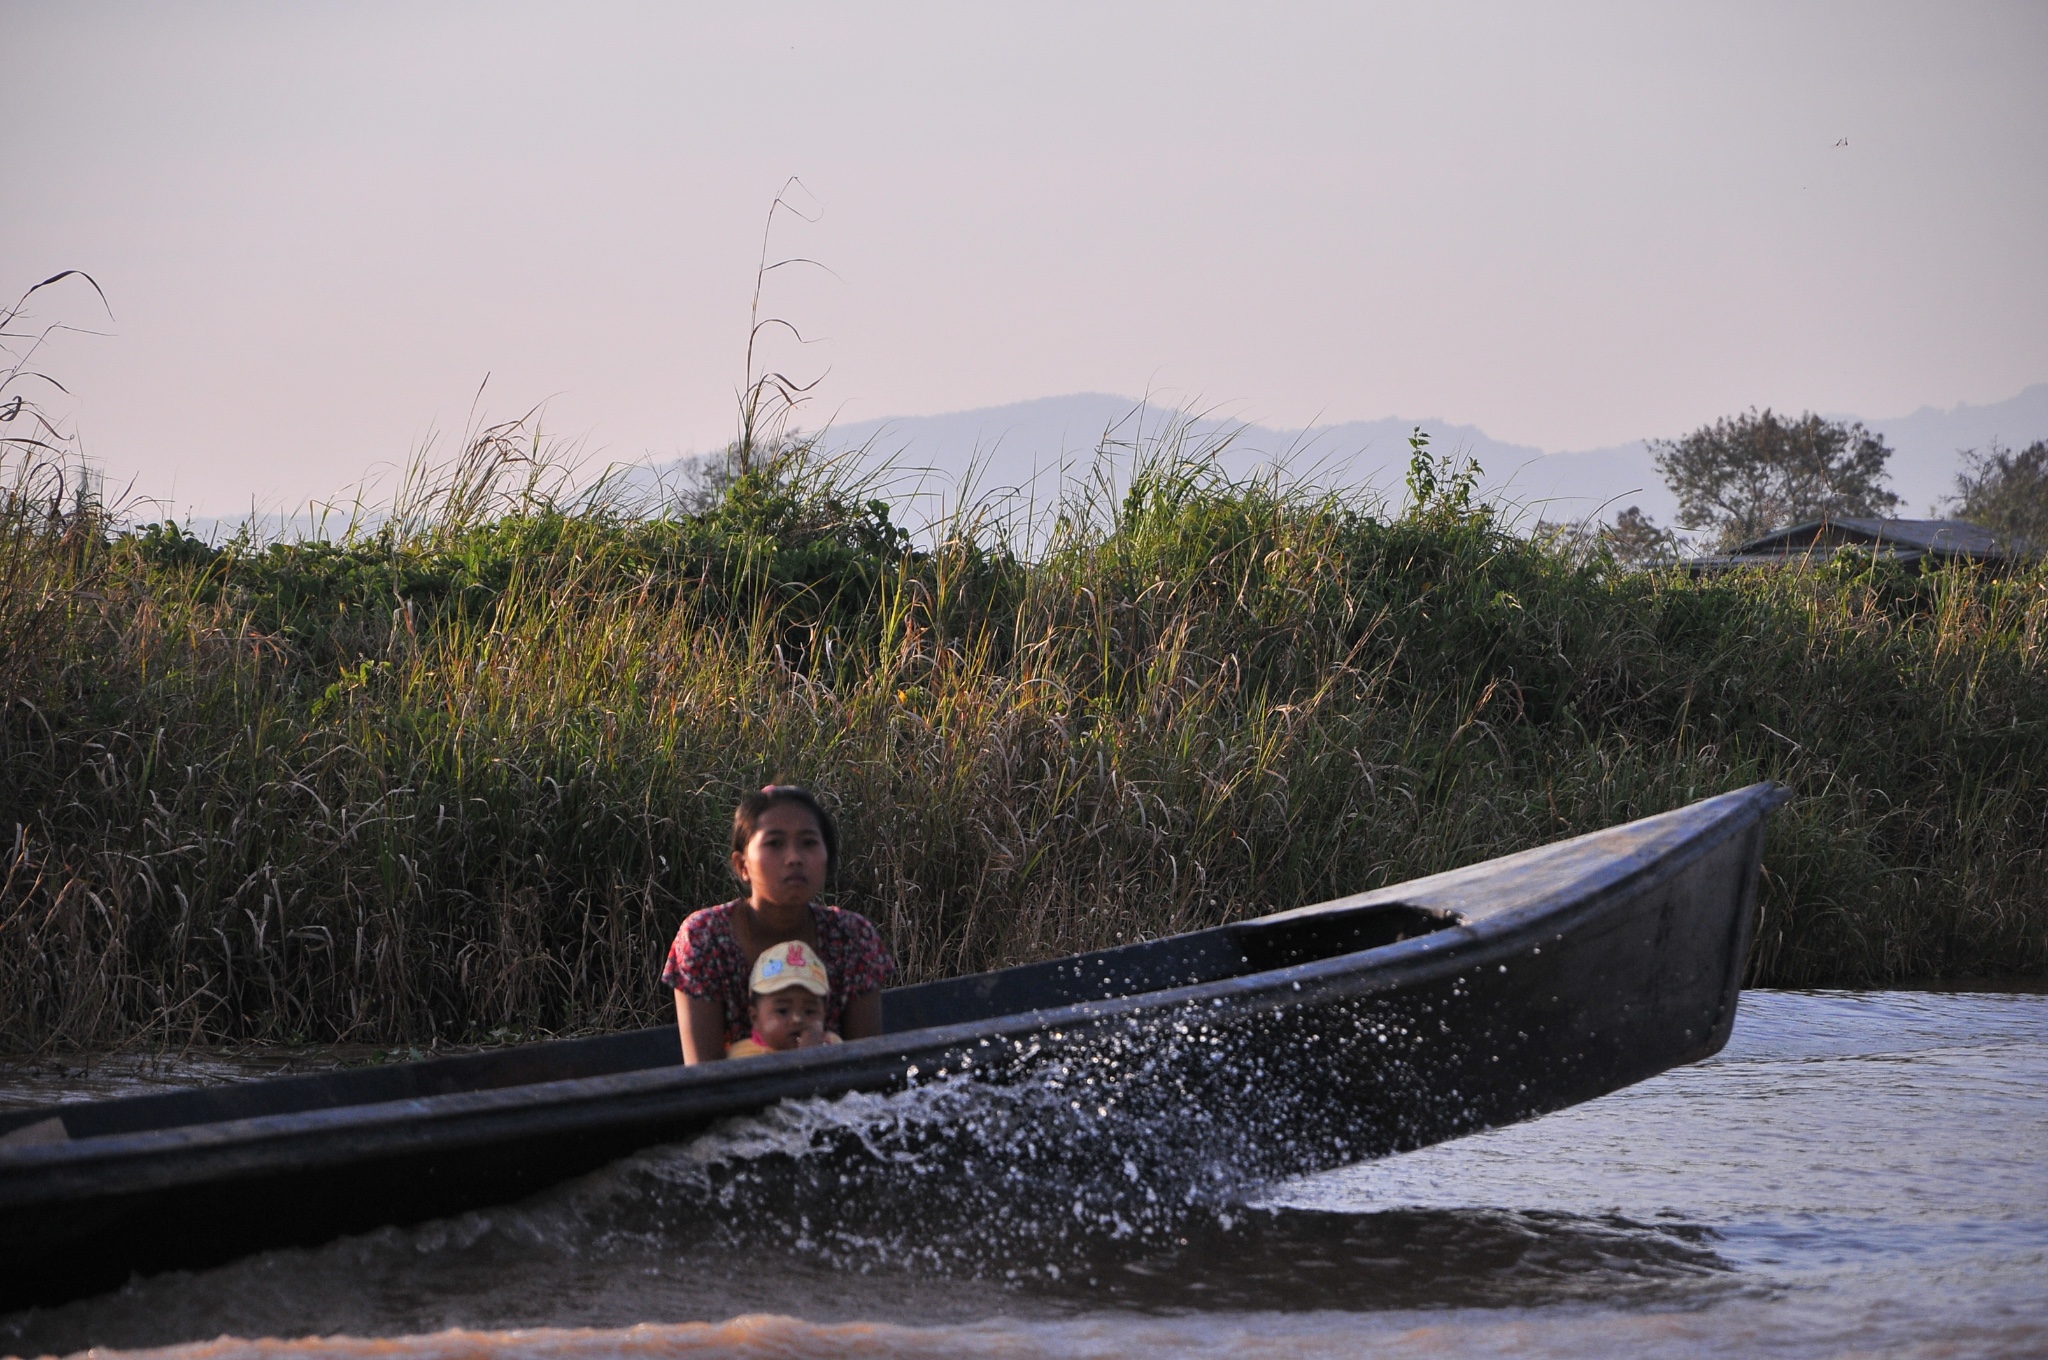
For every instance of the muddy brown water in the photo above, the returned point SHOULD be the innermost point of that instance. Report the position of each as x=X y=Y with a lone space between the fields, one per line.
x=1857 y=1173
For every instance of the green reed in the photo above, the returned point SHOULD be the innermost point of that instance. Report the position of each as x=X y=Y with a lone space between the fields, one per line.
x=466 y=769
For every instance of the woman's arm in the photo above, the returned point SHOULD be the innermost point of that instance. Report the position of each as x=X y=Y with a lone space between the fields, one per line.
x=862 y=1018
x=702 y=1022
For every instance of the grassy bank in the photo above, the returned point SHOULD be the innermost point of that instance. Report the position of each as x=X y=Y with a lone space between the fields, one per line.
x=468 y=772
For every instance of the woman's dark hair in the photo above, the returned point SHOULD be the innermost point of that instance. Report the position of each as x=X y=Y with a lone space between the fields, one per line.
x=746 y=818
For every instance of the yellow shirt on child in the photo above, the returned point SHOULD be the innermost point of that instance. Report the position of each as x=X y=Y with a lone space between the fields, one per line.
x=747 y=1048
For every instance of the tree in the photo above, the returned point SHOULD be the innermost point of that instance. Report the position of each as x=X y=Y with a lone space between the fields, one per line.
x=2006 y=492
x=1636 y=540
x=1745 y=475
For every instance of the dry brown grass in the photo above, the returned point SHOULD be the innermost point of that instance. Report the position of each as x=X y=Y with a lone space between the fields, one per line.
x=467 y=774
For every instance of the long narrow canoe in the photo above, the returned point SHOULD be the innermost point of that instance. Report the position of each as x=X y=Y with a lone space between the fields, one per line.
x=1363 y=1026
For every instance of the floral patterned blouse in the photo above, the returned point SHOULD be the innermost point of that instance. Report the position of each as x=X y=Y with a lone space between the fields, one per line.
x=706 y=960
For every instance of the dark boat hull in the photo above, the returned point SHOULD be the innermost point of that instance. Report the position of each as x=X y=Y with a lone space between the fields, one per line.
x=1364 y=1026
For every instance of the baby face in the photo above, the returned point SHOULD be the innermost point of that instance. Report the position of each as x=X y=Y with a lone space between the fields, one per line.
x=790 y=1018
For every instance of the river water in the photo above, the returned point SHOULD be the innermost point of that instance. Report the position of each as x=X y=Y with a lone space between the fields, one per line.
x=1855 y=1174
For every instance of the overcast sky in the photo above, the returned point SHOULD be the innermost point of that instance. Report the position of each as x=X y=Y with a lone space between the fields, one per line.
x=321 y=226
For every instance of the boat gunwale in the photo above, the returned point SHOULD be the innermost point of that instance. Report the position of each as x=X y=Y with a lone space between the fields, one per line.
x=450 y=1121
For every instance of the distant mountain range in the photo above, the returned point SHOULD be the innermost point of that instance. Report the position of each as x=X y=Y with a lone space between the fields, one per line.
x=1026 y=444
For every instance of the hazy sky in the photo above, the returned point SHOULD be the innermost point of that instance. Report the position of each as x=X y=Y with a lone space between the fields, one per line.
x=321 y=226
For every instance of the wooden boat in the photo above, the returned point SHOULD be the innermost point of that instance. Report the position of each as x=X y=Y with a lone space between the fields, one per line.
x=1367 y=1025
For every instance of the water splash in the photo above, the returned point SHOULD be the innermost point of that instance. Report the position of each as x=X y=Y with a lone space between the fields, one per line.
x=1025 y=1162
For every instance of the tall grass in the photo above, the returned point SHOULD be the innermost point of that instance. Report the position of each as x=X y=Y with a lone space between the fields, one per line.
x=467 y=772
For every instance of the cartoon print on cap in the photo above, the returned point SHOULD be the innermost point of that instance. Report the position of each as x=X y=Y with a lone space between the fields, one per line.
x=790 y=964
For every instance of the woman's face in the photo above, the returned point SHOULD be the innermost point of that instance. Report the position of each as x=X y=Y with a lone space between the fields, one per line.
x=784 y=863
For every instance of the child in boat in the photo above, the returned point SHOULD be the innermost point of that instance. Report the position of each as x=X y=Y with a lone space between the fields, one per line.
x=784 y=845
x=787 y=1005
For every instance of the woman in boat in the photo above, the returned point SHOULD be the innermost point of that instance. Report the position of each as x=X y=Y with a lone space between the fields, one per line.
x=784 y=845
